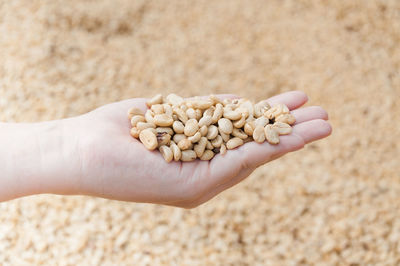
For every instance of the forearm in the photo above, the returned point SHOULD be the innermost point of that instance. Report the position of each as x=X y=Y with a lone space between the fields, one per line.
x=36 y=158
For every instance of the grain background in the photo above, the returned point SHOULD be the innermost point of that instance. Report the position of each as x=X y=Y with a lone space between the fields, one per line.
x=334 y=203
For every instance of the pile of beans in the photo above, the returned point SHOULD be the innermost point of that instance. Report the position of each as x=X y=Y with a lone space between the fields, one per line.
x=186 y=129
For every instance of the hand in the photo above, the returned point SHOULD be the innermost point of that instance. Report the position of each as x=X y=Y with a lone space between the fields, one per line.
x=116 y=166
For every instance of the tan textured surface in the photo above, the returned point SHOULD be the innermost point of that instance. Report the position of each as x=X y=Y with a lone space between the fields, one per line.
x=336 y=202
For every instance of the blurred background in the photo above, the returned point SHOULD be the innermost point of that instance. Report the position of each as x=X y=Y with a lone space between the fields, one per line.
x=337 y=202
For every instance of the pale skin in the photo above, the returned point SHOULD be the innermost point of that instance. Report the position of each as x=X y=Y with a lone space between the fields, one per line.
x=93 y=154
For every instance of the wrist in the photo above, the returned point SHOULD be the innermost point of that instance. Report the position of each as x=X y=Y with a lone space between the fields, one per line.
x=37 y=158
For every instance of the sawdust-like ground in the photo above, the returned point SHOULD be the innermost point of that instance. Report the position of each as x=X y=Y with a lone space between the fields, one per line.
x=337 y=202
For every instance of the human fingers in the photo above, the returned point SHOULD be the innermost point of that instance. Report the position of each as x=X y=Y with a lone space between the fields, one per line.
x=292 y=99
x=312 y=130
x=309 y=113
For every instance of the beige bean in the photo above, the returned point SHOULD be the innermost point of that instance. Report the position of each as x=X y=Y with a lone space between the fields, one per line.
x=225 y=137
x=203 y=131
x=258 y=134
x=243 y=111
x=188 y=156
x=176 y=151
x=191 y=127
x=166 y=152
x=135 y=132
x=184 y=144
x=174 y=99
x=163 y=138
x=195 y=138
x=209 y=146
x=157 y=108
x=240 y=123
x=250 y=108
x=181 y=114
x=149 y=116
x=282 y=128
x=248 y=139
x=232 y=115
x=212 y=132
x=250 y=118
x=184 y=107
x=261 y=121
x=217 y=142
x=191 y=113
x=225 y=125
x=286 y=118
x=155 y=100
x=200 y=147
x=218 y=112
x=178 y=127
x=237 y=132
x=199 y=113
x=137 y=118
x=199 y=104
x=214 y=99
x=134 y=111
x=222 y=150
x=168 y=109
x=271 y=134
x=249 y=128
x=149 y=139
x=205 y=121
x=207 y=155
x=209 y=111
x=260 y=108
x=234 y=143
x=178 y=137
x=229 y=107
x=167 y=130
x=163 y=120
x=276 y=110
x=144 y=125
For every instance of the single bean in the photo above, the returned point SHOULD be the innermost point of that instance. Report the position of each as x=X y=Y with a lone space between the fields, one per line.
x=163 y=120
x=155 y=100
x=234 y=143
x=134 y=111
x=188 y=156
x=184 y=144
x=167 y=153
x=207 y=155
x=271 y=134
x=212 y=132
x=225 y=125
x=258 y=134
x=149 y=139
x=191 y=127
x=137 y=118
x=195 y=138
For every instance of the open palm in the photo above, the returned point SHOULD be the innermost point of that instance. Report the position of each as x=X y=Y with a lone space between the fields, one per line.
x=114 y=165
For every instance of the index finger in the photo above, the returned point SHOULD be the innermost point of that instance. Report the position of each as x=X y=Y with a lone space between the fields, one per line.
x=292 y=99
